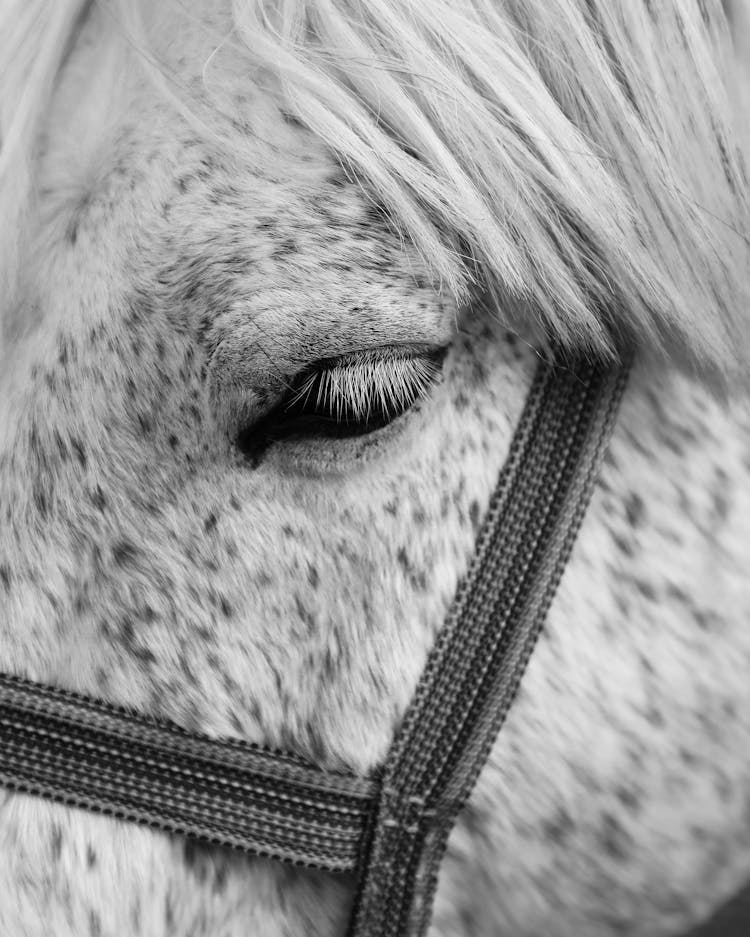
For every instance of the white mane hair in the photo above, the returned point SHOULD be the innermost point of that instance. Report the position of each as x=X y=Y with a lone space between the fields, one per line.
x=582 y=160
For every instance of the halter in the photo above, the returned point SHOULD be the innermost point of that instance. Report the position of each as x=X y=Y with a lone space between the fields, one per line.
x=392 y=827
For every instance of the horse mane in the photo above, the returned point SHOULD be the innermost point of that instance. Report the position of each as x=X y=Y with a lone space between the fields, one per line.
x=583 y=161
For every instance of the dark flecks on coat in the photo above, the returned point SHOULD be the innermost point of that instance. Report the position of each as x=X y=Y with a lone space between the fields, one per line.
x=654 y=716
x=196 y=858
x=80 y=451
x=91 y=857
x=475 y=515
x=629 y=798
x=445 y=506
x=306 y=616
x=56 y=840
x=719 y=497
x=417 y=577
x=461 y=401
x=95 y=924
x=284 y=247
x=645 y=589
x=168 y=914
x=558 y=827
x=124 y=552
x=623 y=545
x=722 y=785
x=614 y=839
x=687 y=757
x=41 y=501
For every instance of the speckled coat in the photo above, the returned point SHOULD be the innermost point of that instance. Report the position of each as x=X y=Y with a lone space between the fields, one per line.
x=170 y=289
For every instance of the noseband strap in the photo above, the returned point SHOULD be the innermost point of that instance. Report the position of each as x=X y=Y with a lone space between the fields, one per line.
x=390 y=828
x=87 y=753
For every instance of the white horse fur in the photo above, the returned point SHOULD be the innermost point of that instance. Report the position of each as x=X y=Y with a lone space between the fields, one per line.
x=201 y=198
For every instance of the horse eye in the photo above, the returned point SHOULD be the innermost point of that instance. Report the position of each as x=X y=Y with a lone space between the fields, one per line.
x=352 y=395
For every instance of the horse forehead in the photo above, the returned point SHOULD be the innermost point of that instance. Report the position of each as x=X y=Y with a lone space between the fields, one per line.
x=145 y=115
x=236 y=201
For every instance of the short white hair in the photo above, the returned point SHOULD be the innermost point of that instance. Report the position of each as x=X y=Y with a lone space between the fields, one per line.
x=583 y=160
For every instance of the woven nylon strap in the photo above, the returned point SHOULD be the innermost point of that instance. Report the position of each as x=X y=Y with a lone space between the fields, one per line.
x=86 y=753
x=391 y=828
x=473 y=671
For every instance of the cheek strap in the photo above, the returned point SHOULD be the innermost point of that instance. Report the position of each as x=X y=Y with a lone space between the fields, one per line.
x=473 y=672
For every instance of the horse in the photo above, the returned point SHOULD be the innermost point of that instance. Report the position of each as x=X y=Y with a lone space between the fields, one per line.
x=276 y=276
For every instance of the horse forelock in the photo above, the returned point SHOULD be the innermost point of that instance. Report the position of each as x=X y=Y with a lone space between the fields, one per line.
x=584 y=162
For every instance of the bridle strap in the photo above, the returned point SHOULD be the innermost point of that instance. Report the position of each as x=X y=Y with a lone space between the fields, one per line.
x=475 y=667
x=87 y=753
x=392 y=827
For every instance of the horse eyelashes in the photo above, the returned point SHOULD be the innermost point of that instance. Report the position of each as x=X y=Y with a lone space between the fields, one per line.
x=364 y=388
